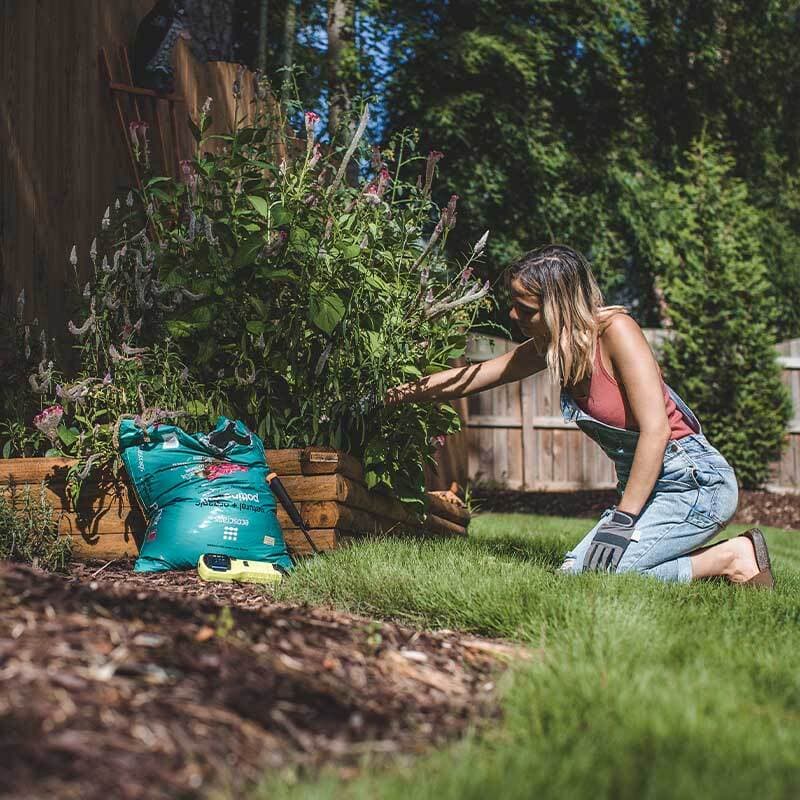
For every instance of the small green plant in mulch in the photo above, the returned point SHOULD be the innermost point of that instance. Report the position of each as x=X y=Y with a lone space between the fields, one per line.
x=29 y=531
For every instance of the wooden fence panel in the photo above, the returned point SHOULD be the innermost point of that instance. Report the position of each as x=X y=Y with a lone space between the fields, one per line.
x=517 y=438
x=786 y=471
x=62 y=155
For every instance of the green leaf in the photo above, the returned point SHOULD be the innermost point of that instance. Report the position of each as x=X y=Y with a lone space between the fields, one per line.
x=248 y=250
x=298 y=236
x=351 y=251
x=410 y=369
x=193 y=128
x=7 y=449
x=259 y=204
x=161 y=195
x=374 y=343
x=376 y=282
x=157 y=179
x=179 y=329
x=277 y=274
x=67 y=435
x=196 y=407
x=52 y=452
x=279 y=215
x=326 y=311
x=258 y=305
x=255 y=326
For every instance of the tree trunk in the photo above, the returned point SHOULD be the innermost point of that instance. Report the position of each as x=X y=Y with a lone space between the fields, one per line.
x=341 y=60
x=289 y=34
x=262 y=36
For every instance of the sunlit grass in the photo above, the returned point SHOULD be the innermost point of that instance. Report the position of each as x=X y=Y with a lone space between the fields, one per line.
x=645 y=689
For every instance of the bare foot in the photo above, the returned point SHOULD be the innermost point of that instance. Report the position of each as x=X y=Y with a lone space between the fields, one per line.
x=734 y=559
x=743 y=564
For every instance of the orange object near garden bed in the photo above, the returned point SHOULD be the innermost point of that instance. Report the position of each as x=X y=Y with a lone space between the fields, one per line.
x=326 y=485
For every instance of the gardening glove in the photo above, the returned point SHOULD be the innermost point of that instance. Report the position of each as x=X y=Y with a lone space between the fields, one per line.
x=610 y=541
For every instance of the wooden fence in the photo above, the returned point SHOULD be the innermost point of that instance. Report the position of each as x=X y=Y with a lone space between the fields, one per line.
x=63 y=157
x=514 y=436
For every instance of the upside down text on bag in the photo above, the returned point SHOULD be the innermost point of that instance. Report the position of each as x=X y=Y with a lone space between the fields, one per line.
x=202 y=493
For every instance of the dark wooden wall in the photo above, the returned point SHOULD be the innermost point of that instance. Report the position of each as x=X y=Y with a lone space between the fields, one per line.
x=62 y=155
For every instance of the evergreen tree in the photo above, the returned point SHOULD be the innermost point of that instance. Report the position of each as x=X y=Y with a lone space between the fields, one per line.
x=701 y=234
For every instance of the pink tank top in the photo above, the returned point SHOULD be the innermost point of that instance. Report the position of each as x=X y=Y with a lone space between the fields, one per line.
x=608 y=403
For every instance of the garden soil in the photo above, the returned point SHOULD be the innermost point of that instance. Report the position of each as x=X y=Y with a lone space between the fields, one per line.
x=774 y=509
x=162 y=686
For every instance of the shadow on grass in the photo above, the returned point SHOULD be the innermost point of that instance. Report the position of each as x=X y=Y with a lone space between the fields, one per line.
x=544 y=552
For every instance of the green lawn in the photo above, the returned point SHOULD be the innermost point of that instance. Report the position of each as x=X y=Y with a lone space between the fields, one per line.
x=643 y=690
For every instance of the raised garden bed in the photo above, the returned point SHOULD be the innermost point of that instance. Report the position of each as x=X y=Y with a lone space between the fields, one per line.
x=326 y=485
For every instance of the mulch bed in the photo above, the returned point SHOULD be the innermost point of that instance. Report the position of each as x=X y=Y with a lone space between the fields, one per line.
x=131 y=686
x=775 y=509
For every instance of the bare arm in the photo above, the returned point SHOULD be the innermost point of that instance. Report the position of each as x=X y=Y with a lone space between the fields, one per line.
x=522 y=361
x=637 y=369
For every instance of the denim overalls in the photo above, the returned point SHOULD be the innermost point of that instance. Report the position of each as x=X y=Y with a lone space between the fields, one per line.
x=695 y=496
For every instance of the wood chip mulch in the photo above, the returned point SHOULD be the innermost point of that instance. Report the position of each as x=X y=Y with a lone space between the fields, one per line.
x=774 y=509
x=116 y=685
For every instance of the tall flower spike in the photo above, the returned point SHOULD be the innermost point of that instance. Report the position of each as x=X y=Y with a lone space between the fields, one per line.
x=362 y=126
x=311 y=118
x=106 y=221
x=434 y=157
x=449 y=214
x=73 y=256
x=480 y=244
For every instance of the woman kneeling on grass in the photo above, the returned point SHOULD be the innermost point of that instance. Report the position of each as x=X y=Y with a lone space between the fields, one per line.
x=677 y=491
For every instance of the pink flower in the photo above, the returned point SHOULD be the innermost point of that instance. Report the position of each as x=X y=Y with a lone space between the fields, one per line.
x=438 y=441
x=316 y=154
x=47 y=421
x=466 y=275
x=372 y=195
x=312 y=118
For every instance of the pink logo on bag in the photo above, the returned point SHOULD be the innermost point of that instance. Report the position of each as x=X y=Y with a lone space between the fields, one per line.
x=216 y=470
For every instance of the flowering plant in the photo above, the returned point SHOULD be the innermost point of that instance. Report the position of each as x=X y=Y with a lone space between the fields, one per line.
x=313 y=293
x=127 y=367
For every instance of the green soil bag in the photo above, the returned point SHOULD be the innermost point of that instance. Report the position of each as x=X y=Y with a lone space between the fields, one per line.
x=205 y=493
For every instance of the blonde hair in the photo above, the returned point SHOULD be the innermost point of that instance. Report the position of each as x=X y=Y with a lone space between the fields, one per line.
x=572 y=308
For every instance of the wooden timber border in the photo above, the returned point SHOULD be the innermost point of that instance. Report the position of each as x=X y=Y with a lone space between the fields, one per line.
x=326 y=486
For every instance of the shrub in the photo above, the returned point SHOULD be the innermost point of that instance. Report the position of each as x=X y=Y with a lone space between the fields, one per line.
x=700 y=235
x=316 y=295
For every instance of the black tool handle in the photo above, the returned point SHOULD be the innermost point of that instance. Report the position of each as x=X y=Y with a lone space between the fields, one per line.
x=291 y=509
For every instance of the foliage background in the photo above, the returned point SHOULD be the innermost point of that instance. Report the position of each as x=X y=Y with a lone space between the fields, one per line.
x=558 y=118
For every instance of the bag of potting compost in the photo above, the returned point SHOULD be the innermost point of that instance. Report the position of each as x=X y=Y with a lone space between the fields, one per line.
x=202 y=493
